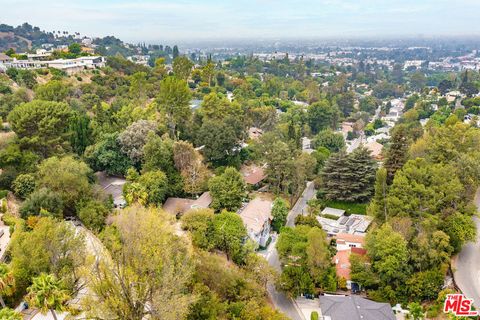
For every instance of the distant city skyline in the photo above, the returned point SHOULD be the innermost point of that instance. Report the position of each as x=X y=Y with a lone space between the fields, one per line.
x=188 y=20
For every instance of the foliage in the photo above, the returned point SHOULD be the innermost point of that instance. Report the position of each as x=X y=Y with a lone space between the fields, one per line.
x=106 y=155
x=93 y=214
x=279 y=214
x=68 y=177
x=349 y=177
x=306 y=253
x=227 y=190
x=24 y=185
x=148 y=256
x=42 y=199
x=173 y=100
x=42 y=126
x=134 y=138
x=50 y=247
x=47 y=294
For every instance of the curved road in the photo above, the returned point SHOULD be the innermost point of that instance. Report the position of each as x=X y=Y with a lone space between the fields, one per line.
x=467 y=264
x=279 y=299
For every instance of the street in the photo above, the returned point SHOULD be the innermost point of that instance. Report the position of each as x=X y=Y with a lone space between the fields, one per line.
x=281 y=301
x=467 y=265
x=300 y=206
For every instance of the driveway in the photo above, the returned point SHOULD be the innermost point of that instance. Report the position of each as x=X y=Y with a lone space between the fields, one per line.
x=466 y=265
x=4 y=239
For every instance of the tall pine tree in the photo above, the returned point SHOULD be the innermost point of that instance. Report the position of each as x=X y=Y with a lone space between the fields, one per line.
x=349 y=177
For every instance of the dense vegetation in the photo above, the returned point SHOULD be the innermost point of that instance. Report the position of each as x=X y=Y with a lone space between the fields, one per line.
x=137 y=122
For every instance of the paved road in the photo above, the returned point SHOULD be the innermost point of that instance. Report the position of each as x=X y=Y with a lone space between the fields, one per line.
x=467 y=265
x=281 y=301
x=301 y=206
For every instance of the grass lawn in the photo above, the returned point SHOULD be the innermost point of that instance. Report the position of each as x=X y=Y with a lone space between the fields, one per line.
x=349 y=207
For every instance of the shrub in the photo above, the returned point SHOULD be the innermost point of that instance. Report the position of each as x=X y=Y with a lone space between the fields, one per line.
x=314 y=315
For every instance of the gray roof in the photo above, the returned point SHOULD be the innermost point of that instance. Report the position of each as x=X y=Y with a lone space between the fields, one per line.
x=354 y=308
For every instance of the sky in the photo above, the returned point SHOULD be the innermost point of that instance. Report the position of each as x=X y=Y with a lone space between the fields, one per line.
x=154 y=21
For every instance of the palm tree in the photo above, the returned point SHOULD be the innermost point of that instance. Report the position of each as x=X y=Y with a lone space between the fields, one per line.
x=7 y=313
x=7 y=281
x=47 y=294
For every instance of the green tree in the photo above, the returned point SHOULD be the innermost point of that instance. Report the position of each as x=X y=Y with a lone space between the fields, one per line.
x=422 y=188
x=279 y=214
x=418 y=80
x=54 y=90
x=7 y=282
x=397 y=153
x=334 y=142
x=322 y=116
x=228 y=190
x=42 y=199
x=388 y=252
x=106 y=155
x=228 y=235
x=349 y=177
x=75 y=48
x=378 y=206
x=50 y=247
x=67 y=177
x=460 y=228
x=156 y=186
x=47 y=294
x=182 y=67
x=93 y=214
x=415 y=311
x=42 y=126
x=174 y=101
x=24 y=185
x=80 y=132
x=9 y=314
x=156 y=264
x=199 y=223
x=134 y=138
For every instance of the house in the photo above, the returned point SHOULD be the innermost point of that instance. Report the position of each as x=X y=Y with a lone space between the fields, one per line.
x=342 y=263
x=178 y=206
x=354 y=308
x=253 y=175
x=4 y=58
x=375 y=149
x=257 y=217
x=70 y=66
x=112 y=186
x=333 y=223
x=307 y=145
x=346 y=241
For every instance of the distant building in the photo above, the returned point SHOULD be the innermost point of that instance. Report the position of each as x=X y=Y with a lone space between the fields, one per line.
x=70 y=66
x=375 y=149
x=112 y=186
x=4 y=58
x=307 y=145
x=257 y=217
x=178 y=206
x=354 y=308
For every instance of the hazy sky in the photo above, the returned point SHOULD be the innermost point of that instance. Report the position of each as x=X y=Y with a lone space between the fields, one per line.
x=181 y=20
